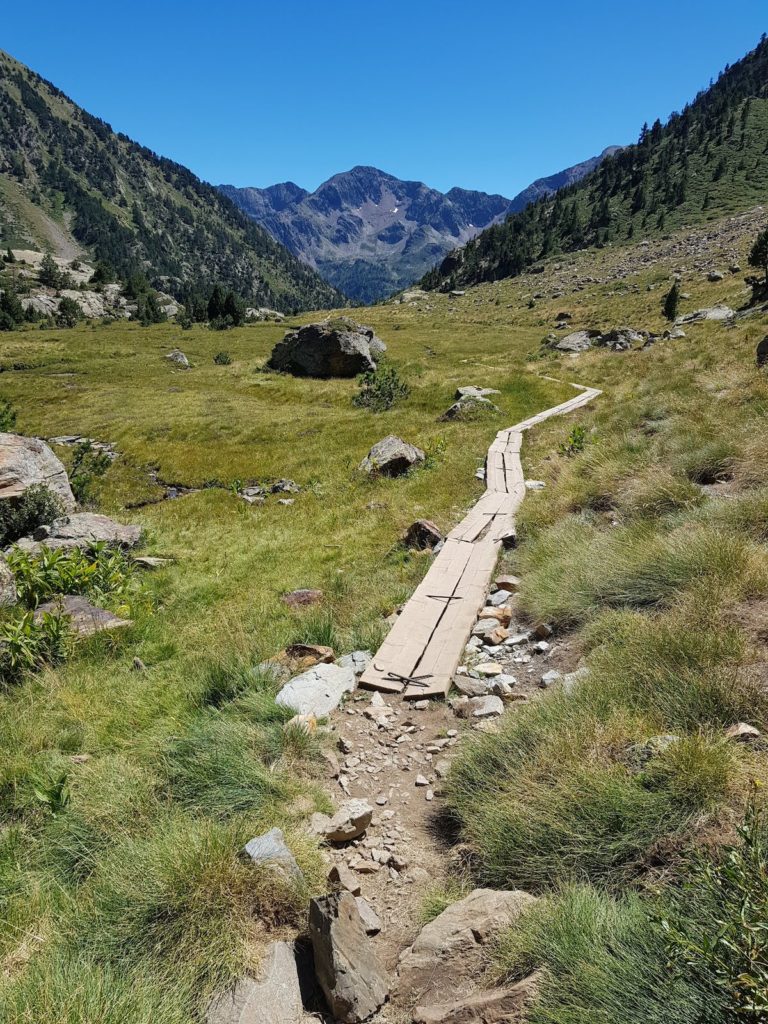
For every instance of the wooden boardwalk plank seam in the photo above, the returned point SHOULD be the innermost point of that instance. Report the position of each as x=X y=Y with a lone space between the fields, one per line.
x=422 y=651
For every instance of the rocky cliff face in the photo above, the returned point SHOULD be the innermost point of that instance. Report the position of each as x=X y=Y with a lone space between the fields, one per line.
x=370 y=234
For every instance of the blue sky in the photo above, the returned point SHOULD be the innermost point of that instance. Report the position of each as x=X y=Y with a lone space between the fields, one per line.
x=487 y=95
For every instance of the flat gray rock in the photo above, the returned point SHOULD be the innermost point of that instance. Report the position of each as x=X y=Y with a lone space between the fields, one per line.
x=486 y=707
x=273 y=997
x=26 y=462
x=447 y=956
x=271 y=849
x=177 y=357
x=318 y=691
x=358 y=661
x=470 y=391
x=81 y=530
x=85 y=618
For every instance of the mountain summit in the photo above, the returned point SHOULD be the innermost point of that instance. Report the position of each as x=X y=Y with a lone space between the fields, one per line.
x=369 y=233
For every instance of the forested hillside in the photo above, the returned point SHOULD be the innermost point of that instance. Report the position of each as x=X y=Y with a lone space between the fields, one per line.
x=706 y=161
x=69 y=183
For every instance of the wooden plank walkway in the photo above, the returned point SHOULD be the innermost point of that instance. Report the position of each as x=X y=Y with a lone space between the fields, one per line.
x=422 y=651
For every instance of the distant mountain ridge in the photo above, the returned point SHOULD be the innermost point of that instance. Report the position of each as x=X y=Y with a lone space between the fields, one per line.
x=707 y=161
x=70 y=184
x=369 y=233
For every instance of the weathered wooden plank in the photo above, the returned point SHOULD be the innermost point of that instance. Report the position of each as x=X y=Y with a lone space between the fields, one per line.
x=429 y=636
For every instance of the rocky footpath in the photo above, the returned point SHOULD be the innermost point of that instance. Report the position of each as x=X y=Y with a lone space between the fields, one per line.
x=372 y=958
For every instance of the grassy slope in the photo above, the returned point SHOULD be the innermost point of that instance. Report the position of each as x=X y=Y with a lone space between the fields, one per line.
x=663 y=585
x=188 y=759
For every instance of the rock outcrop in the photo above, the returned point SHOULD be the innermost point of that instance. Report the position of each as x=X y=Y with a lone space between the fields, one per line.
x=392 y=457
x=26 y=462
x=331 y=348
x=347 y=967
x=80 y=530
x=446 y=959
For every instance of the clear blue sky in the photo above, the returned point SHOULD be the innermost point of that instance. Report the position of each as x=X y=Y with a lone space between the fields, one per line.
x=486 y=95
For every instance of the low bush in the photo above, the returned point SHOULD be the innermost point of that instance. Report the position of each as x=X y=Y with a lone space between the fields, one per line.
x=222 y=359
x=88 y=463
x=380 y=389
x=7 y=417
x=38 y=506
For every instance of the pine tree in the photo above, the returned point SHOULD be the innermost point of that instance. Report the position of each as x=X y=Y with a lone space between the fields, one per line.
x=49 y=273
x=671 y=302
x=216 y=303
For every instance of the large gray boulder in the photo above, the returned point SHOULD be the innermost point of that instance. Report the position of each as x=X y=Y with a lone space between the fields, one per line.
x=26 y=462
x=347 y=967
x=80 y=530
x=318 y=691
x=392 y=457
x=718 y=312
x=273 y=997
x=448 y=954
x=331 y=348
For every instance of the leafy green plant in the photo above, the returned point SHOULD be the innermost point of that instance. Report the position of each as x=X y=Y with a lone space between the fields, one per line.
x=20 y=516
x=88 y=463
x=99 y=572
x=222 y=359
x=380 y=389
x=728 y=947
x=54 y=793
x=27 y=643
x=575 y=442
x=70 y=312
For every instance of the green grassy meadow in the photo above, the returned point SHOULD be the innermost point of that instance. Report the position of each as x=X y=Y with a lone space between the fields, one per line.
x=125 y=794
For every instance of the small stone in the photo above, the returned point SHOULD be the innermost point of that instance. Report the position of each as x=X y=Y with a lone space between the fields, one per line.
x=511 y=584
x=349 y=822
x=270 y=849
x=489 y=668
x=517 y=639
x=486 y=707
x=499 y=598
x=742 y=732
x=138 y=665
x=469 y=686
x=543 y=630
x=550 y=678
x=371 y=920
x=429 y=795
x=340 y=875
x=535 y=485
x=421 y=781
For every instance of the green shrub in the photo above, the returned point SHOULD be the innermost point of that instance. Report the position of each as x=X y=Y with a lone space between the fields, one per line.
x=722 y=944
x=69 y=312
x=222 y=359
x=26 y=644
x=88 y=463
x=20 y=516
x=574 y=443
x=100 y=572
x=381 y=389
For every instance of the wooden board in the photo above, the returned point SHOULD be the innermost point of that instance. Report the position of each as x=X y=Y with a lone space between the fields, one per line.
x=430 y=634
